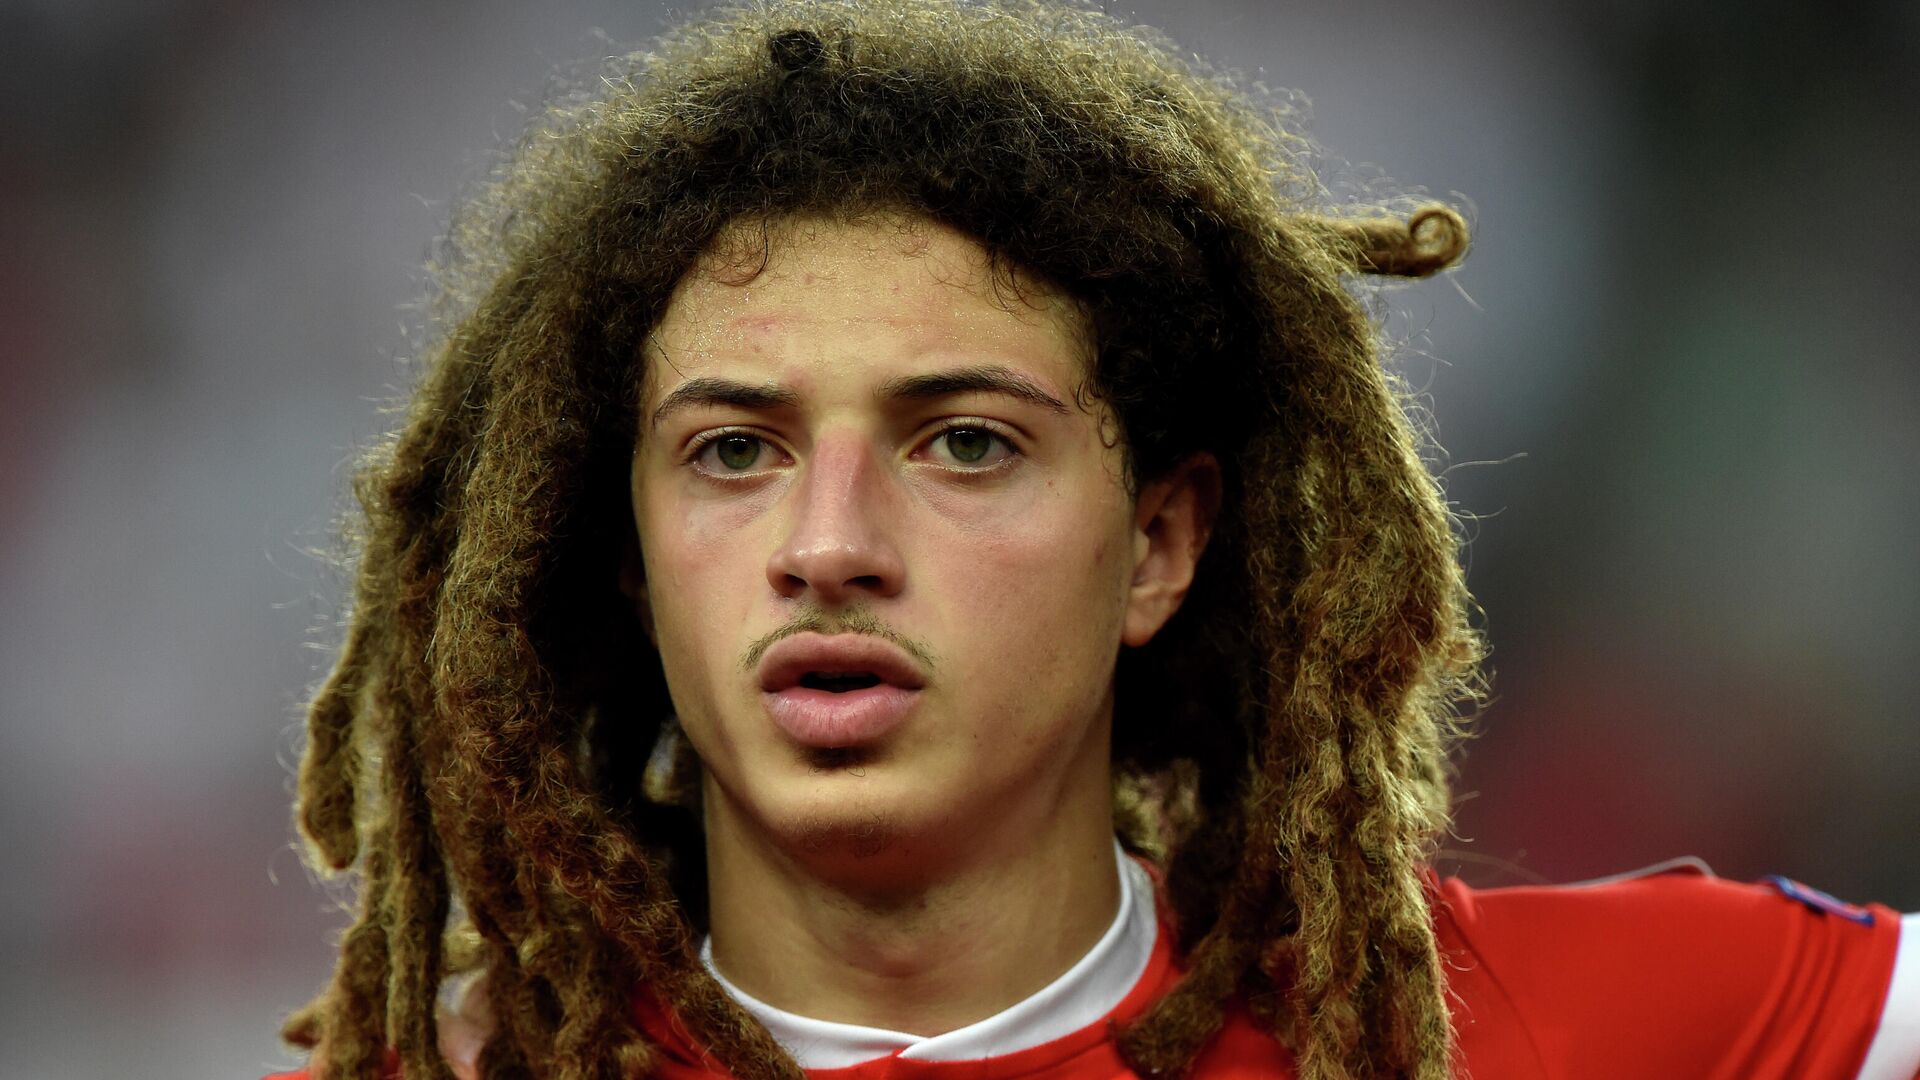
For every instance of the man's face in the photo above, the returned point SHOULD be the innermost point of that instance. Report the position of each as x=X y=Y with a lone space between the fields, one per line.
x=889 y=562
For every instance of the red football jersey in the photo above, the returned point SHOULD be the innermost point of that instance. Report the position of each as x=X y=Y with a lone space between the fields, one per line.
x=1675 y=973
x=1671 y=974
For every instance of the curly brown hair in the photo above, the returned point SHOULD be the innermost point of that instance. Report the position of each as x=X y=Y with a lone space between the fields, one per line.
x=1280 y=747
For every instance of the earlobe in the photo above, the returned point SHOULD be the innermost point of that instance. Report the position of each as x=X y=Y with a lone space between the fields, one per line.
x=1173 y=519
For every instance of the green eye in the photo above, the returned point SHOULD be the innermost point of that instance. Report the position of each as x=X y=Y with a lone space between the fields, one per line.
x=969 y=445
x=737 y=452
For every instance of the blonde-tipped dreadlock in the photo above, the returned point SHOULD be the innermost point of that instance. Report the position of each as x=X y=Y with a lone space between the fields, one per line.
x=1280 y=746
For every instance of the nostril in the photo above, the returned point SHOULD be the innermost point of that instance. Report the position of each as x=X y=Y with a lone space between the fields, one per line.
x=834 y=563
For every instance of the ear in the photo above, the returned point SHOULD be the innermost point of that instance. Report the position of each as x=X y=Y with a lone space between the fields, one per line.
x=1173 y=517
x=633 y=582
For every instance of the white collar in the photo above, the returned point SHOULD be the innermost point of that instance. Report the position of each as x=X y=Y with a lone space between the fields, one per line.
x=1089 y=990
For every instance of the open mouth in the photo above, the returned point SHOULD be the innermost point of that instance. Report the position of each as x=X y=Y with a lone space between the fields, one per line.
x=839 y=682
x=827 y=691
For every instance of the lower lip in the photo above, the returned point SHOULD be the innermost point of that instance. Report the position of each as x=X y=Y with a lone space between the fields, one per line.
x=826 y=720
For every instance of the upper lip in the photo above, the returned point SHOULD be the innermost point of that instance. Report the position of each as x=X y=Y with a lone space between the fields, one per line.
x=837 y=654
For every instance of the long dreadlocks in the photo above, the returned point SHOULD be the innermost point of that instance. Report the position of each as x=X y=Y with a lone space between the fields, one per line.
x=1280 y=747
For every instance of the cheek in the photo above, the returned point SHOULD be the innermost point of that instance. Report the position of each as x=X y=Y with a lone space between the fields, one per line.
x=701 y=525
x=1061 y=535
x=705 y=568
x=690 y=543
x=1044 y=582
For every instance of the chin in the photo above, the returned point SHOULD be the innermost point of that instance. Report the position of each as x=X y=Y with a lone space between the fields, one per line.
x=862 y=838
x=851 y=761
x=852 y=806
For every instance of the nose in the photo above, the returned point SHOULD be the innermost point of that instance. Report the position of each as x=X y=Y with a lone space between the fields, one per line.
x=840 y=547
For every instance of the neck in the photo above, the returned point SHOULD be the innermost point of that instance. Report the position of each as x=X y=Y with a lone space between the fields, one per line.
x=917 y=945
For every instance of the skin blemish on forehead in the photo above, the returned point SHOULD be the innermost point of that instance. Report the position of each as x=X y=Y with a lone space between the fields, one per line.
x=763 y=324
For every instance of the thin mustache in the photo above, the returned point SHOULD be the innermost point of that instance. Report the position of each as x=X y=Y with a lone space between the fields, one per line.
x=853 y=620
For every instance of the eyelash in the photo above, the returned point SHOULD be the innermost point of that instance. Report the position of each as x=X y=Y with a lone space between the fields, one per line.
x=709 y=438
x=1005 y=439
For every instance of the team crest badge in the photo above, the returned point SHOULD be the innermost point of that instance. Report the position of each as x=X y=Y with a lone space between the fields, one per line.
x=1820 y=901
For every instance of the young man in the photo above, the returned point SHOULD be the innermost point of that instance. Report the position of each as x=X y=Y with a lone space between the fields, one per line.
x=880 y=455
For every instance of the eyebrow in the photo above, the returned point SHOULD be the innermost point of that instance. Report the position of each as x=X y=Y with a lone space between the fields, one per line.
x=988 y=378
x=712 y=390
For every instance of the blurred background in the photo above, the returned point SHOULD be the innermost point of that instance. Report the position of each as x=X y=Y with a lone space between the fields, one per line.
x=1676 y=381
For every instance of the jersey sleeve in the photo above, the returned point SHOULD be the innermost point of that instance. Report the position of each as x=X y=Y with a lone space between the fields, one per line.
x=1895 y=1054
x=1675 y=973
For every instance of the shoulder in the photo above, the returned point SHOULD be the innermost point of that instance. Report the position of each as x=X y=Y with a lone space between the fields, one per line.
x=1675 y=920
x=1670 y=970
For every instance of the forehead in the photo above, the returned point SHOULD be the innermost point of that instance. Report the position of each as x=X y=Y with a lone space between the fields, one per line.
x=778 y=298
